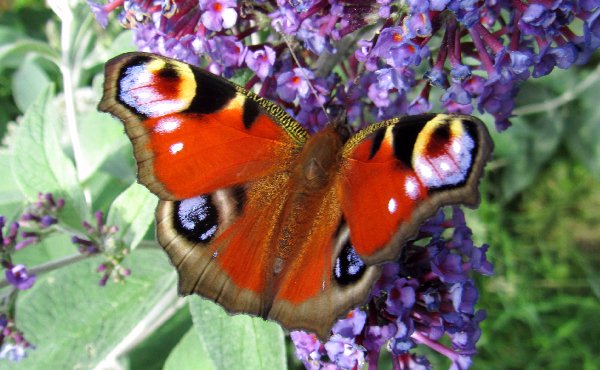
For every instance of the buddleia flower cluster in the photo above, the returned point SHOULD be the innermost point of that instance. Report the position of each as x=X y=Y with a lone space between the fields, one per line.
x=377 y=60
x=389 y=57
x=39 y=220
x=101 y=239
x=428 y=294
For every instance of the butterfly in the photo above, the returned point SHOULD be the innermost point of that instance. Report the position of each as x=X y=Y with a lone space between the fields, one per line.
x=265 y=219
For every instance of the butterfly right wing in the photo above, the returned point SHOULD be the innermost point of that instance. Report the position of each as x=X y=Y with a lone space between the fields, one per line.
x=399 y=172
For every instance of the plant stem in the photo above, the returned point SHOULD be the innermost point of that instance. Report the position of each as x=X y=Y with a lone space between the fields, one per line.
x=564 y=98
x=52 y=265
x=70 y=75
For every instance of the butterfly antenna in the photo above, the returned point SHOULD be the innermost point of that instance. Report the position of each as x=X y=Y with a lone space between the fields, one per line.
x=310 y=85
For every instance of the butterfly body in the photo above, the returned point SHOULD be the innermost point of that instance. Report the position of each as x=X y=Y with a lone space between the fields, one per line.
x=265 y=219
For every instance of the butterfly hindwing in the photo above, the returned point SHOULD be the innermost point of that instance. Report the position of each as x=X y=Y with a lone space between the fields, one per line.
x=217 y=245
x=397 y=173
x=228 y=246
x=194 y=132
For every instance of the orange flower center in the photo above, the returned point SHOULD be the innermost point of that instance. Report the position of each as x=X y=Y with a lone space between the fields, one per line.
x=217 y=7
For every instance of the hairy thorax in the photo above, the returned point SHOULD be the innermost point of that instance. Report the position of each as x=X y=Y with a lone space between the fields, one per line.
x=312 y=189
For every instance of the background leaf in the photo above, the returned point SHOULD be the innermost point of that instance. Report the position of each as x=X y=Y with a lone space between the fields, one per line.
x=583 y=130
x=239 y=341
x=29 y=81
x=11 y=198
x=133 y=210
x=190 y=353
x=74 y=323
x=39 y=164
x=93 y=125
x=153 y=352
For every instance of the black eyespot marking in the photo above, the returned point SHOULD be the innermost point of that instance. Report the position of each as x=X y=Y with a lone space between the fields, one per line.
x=442 y=132
x=349 y=268
x=212 y=94
x=196 y=218
x=168 y=71
x=377 y=140
x=251 y=111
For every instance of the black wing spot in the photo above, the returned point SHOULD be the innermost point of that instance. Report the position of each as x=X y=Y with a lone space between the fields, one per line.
x=349 y=267
x=442 y=132
x=212 y=94
x=239 y=194
x=377 y=140
x=138 y=60
x=251 y=111
x=196 y=218
x=405 y=136
x=168 y=72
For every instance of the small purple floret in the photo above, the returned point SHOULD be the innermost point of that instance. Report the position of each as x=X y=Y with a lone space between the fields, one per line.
x=19 y=277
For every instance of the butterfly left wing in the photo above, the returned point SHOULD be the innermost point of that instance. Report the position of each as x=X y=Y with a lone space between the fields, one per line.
x=194 y=132
x=399 y=172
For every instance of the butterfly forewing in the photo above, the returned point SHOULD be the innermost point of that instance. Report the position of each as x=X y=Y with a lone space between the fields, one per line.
x=399 y=172
x=193 y=132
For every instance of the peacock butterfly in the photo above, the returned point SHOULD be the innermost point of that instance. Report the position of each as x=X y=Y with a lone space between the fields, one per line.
x=261 y=217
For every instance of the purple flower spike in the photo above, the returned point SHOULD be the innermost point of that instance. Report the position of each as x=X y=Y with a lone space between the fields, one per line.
x=25 y=242
x=218 y=14
x=100 y=13
x=293 y=84
x=48 y=221
x=20 y=277
x=344 y=352
x=477 y=53
x=261 y=61
x=307 y=346
x=13 y=352
x=285 y=20
x=226 y=51
x=401 y=297
x=351 y=325
x=419 y=105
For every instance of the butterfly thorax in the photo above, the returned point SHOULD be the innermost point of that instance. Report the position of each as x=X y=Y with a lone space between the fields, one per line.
x=318 y=161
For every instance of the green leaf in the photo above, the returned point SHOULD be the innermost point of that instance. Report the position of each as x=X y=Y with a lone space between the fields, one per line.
x=529 y=144
x=11 y=199
x=29 y=81
x=583 y=135
x=95 y=152
x=39 y=164
x=240 y=341
x=153 y=352
x=133 y=212
x=190 y=353
x=8 y=35
x=74 y=323
x=12 y=54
